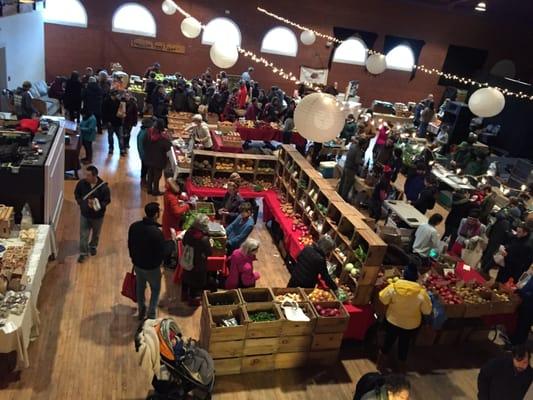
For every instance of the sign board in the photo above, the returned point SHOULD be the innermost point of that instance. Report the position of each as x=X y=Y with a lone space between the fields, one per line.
x=148 y=44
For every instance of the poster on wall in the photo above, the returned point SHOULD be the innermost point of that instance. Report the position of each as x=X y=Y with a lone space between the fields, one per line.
x=314 y=75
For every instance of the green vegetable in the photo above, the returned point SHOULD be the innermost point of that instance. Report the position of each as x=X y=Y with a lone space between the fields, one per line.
x=360 y=254
x=262 y=316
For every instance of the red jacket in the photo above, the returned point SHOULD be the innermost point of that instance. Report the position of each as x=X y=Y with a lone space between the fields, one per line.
x=241 y=265
x=173 y=212
x=243 y=95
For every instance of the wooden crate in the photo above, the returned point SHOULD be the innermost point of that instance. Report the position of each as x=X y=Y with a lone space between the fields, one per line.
x=228 y=366
x=220 y=252
x=504 y=307
x=477 y=310
x=256 y=295
x=267 y=329
x=331 y=324
x=207 y=206
x=308 y=291
x=281 y=291
x=298 y=328
x=229 y=297
x=426 y=336
x=234 y=348
x=267 y=345
x=323 y=357
x=290 y=360
x=374 y=246
x=6 y=221
x=453 y=310
x=369 y=275
x=363 y=295
x=289 y=344
x=216 y=333
x=326 y=341
x=226 y=127
x=257 y=363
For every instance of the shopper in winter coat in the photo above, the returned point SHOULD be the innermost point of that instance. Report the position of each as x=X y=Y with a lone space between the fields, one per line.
x=426 y=116
x=174 y=208
x=200 y=133
x=525 y=310
x=380 y=193
x=72 y=98
x=93 y=196
x=240 y=228
x=518 y=256
x=242 y=96
x=146 y=124
x=414 y=183
x=507 y=377
x=194 y=281
x=470 y=229
x=394 y=387
x=93 y=97
x=407 y=301
x=499 y=233
x=310 y=263
x=156 y=146
x=349 y=130
x=57 y=89
x=241 y=271
x=146 y=246
x=230 y=204
x=160 y=103
x=23 y=104
x=461 y=206
x=352 y=166
x=179 y=99
x=231 y=105
x=131 y=118
x=113 y=122
x=252 y=111
x=88 y=135
x=427 y=197
x=381 y=140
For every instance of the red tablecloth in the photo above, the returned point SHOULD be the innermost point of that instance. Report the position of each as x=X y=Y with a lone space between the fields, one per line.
x=361 y=318
x=193 y=190
x=468 y=276
x=267 y=134
x=214 y=264
x=219 y=146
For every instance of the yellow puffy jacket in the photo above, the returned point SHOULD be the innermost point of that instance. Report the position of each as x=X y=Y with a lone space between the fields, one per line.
x=406 y=302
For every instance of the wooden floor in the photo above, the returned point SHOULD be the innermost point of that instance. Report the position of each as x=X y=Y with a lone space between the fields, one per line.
x=85 y=349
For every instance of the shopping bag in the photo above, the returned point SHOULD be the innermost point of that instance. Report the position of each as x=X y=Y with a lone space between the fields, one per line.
x=129 y=285
x=499 y=257
x=187 y=258
x=472 y=257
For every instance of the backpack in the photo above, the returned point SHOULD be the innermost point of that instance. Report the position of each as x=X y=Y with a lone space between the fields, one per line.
x=187 y=258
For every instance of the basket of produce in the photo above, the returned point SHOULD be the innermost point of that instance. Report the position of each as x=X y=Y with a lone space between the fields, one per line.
x=224 y=324
x=503 y=302
x=332 y=317
x=207 y=208
x=226 y=126
x=451 y=300
x=288 y=294
x=221 y=298
x=300 y=319
x=264 y=320
x=476 y=299
x=318 y=295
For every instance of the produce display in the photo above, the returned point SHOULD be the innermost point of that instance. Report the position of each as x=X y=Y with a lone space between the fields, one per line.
x=224 y=164
x=327 y=311
x=289 y=297
x=245 y=165
x=473 y=296
x=352 y=270
x=344 y=293
x=12 y=303
x=319 y=295
x=207 y=181
x=262 y=316
x=306 y=239
x=205 y=164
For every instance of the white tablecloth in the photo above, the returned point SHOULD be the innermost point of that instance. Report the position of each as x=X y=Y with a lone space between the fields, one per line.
x=20 y=329
x=406 y=212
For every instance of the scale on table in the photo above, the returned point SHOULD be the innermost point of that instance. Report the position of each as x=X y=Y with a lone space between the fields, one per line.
x=216 y=229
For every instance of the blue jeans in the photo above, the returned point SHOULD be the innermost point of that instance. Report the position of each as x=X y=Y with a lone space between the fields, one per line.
x=153 y=278
x=111 y=131
x=86 y=226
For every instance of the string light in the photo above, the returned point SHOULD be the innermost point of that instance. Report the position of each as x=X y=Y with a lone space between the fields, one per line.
x=421 y=68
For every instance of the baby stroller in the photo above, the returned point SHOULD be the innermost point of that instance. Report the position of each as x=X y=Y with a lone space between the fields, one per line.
x=181 y=370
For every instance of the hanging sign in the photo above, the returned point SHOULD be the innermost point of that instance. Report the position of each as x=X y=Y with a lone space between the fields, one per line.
x=148 y=44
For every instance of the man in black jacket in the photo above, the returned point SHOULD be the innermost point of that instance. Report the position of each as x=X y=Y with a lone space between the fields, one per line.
x=146 y=245
x=93 y=196
x=113 y=122
x=506 y=377
x=352 y=166
x=518 y=256
x=312 y=261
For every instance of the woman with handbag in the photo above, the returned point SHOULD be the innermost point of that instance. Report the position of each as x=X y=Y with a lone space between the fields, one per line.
x=241 y=271
x=194 y=278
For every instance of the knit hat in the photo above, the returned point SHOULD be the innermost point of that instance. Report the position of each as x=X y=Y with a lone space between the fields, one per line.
x=92 y=79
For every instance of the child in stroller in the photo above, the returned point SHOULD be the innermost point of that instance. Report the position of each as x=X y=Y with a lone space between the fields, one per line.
x=178 y=367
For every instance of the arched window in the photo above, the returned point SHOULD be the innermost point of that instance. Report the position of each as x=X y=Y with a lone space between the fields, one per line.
x=351 y=51
x=221 y=28
x=65 y=12
x=134 y=19
x=401 y=58
x=280 y=40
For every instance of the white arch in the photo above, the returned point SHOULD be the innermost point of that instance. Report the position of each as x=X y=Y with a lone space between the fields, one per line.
x=65 y=12
x=221 y=28
x=134 y=19
x=351 y=51
x=280 y=40
x=401 y=58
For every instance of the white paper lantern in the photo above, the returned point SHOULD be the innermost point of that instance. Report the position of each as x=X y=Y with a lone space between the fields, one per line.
x=224 y=54
x=308 y=37
x=376 y=64
x=168 y=8
x=486 y=102
x=191 y=27
x=318 y=117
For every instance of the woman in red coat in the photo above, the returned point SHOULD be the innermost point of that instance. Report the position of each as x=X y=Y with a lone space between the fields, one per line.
x=241 y=272
x=174 y=208
x=243 y=96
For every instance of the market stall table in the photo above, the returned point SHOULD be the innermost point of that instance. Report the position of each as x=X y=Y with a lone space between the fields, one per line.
x=267 y=133
x=214 y=264
x=15 y=335
x=246 y=193
x=218 y=145
x=72 y=152
x=406 y=212
x=450 y=179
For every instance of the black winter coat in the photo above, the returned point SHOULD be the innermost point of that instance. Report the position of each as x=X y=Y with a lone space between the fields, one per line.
x=519 y=258
x=92 y=98
x=109 y=111
x=179 y=101
x=311 y=262
x=458 y=211
x=499 y=380
x=72 y=97
x=146 y=244
x=426 y=199
x=155 y=151
x=103 y=194
x=197 y=277
x=498 y=234
x=160 y=105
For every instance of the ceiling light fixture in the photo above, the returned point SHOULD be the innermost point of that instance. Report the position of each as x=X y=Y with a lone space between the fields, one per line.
x=481 y=6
